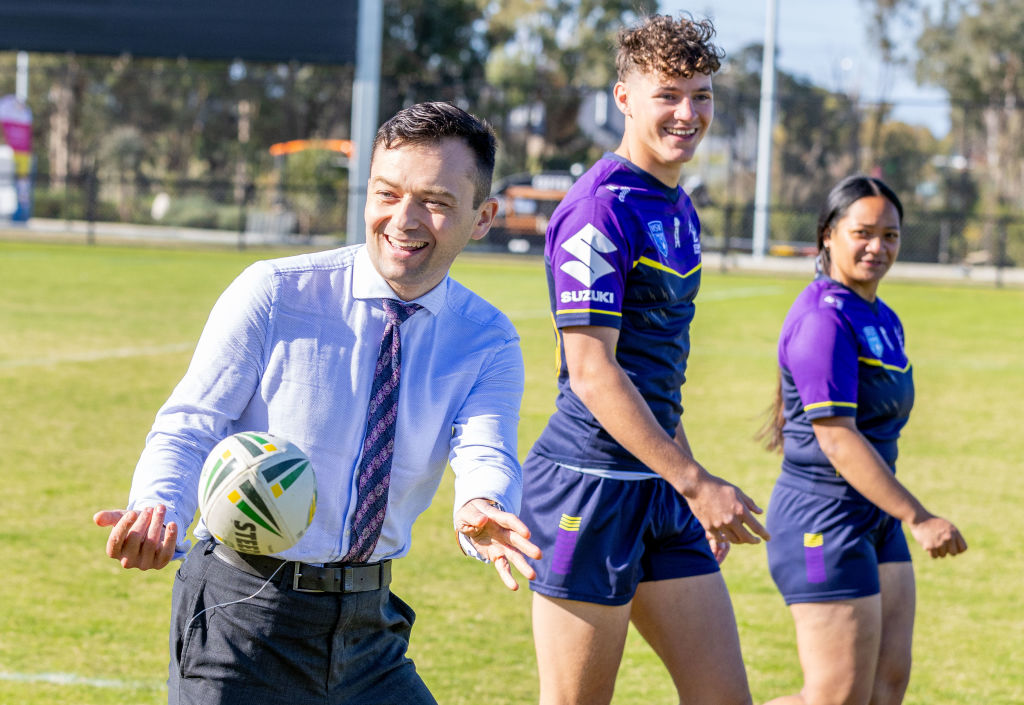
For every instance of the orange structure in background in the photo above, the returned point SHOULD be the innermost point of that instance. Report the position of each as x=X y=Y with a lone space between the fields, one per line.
x=293 y=146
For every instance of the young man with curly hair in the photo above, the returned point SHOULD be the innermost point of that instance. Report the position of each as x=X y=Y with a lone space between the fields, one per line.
x=632 y=527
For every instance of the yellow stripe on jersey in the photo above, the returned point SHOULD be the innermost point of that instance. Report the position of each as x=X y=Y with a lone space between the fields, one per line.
x=558 y=346
x=878 y=363
x=588 y=310
x=658 y=265
x=822 y=404
x=813 y=540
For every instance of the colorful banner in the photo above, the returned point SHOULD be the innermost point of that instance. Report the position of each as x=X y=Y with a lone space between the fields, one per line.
x=16 y=124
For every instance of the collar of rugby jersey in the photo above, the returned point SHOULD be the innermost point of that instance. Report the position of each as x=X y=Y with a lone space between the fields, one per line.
x=367 y=283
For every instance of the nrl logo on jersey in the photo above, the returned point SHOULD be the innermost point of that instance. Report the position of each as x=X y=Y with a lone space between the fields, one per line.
x=874 y=341
x=885 y=336
x=657 y=232
x=695 y=237
x=620 y=191
x=833 y=301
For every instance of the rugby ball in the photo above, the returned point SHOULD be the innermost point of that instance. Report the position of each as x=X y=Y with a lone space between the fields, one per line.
x=257 y=493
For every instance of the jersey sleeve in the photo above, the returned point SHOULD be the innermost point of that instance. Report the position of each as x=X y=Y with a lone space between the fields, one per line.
x=589 y=256
x=820 y=352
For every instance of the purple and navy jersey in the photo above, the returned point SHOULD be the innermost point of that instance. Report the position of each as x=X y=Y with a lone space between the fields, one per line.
x=622 y=251
x=840 y=355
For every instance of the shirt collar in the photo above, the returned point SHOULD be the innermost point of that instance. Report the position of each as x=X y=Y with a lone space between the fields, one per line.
x=367 y=283
x=672 y=193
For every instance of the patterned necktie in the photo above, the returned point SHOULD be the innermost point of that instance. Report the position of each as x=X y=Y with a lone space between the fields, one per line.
x=374 y=475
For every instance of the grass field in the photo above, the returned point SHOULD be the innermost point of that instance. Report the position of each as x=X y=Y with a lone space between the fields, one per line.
x=92 y=340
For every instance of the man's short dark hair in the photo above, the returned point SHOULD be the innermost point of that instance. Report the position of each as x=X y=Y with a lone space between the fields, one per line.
x=428 y=123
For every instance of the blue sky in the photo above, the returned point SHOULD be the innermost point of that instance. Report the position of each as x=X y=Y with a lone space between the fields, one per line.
x=827 y=42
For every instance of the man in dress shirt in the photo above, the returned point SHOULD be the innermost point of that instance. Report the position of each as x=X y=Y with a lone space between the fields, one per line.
x=291 y=348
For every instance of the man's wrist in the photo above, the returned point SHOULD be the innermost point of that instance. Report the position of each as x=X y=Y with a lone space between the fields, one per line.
x=465 y=544
x=468 y=549
x=493 y=502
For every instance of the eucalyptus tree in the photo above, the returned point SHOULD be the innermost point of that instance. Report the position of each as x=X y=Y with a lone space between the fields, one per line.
x=547 y=56
x=975 y=51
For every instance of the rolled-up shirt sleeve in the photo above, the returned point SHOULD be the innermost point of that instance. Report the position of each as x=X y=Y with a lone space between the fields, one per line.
x=485 y=433
x=221 y=379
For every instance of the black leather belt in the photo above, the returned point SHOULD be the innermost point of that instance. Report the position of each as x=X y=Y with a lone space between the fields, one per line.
x=302 y=577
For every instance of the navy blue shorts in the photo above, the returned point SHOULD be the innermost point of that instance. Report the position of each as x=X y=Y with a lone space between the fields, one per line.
x=828 y=548
x=602 y=537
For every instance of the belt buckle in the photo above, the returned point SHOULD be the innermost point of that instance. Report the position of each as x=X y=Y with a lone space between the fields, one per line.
x=296 y=576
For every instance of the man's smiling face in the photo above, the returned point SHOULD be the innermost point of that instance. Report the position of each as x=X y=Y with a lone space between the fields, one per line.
x=420 y=213
x=666 y=119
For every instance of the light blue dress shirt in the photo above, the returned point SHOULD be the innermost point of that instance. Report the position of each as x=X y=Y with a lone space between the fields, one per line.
x=290 y=348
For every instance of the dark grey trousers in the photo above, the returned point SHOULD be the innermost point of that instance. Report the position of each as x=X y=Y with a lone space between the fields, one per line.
x=284 y=646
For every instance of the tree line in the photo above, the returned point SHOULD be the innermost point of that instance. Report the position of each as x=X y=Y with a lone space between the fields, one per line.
x=132 y=122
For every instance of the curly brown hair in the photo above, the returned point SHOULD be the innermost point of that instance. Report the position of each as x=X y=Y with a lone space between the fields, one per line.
x=663 y=45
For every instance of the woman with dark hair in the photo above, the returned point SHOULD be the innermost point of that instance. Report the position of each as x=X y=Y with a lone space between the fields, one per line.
x=838 y=554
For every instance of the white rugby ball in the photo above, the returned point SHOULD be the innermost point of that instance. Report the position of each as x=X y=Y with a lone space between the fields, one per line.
x=257 y=493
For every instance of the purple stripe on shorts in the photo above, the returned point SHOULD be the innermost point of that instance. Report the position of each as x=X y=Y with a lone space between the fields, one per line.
x=565 y=545
x=814 y=557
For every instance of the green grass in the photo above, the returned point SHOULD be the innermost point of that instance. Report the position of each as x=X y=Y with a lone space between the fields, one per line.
x=92 y=339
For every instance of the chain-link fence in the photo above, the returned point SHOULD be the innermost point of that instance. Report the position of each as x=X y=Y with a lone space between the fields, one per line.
x=288 y=212
x=291 y=212
x=943 y=237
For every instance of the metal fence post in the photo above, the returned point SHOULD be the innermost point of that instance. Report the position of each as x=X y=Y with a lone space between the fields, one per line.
x=243 y=212
x=1002 y=228
x=91 y=198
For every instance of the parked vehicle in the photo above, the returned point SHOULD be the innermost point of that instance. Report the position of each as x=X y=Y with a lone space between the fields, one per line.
x=525 y=203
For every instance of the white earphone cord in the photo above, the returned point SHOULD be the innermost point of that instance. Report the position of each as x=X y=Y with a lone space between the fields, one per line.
x=234 y=602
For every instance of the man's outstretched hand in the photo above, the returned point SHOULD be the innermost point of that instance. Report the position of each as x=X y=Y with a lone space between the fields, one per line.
x=498 y=536
x=139 y=539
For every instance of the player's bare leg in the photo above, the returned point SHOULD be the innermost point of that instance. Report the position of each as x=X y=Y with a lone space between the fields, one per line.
x=690 y=624
x=579 y=648
x=838 y=643
x=898 y=606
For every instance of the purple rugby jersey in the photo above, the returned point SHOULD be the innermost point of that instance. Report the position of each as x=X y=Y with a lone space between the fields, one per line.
x=622 y=251
x=840 y=355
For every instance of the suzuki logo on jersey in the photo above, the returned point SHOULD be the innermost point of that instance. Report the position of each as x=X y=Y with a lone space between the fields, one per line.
x=874 y=342
x=601 y=297
x=587 y=246
x=657 y=233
